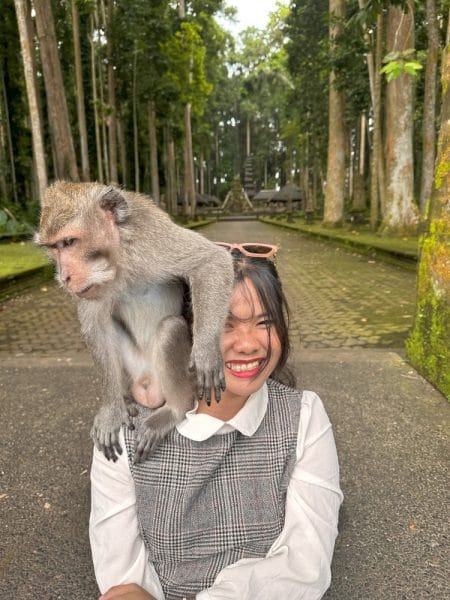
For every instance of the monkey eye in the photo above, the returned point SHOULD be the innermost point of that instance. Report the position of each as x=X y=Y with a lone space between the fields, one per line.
x=66 y=242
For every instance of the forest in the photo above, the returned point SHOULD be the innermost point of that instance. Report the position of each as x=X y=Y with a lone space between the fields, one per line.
x=340 y=97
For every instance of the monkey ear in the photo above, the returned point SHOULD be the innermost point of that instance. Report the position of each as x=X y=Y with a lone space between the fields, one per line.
x=113 y=201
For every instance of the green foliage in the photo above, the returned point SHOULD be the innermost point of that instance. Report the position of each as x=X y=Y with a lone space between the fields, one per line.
x=9 y=224
x=185 y=54
x=347 y=59
x=306 y=31
x=397 y=63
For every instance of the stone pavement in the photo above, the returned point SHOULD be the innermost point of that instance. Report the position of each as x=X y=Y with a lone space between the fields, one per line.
x=350 y=316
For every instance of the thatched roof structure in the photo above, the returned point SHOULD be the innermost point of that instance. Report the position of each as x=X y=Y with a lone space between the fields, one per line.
x=288 y=192
x=265 y=195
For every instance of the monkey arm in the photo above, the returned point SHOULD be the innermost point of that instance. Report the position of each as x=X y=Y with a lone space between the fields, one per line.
x=211 y=284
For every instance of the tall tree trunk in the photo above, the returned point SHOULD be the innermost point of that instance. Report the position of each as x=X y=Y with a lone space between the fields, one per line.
x=429 y=107
x=103 y=119
x=334 y=194
x=66 y=164
x=189 y=178
x=135 y=125
x=153 y=150
x=112 y=117
x=27 y=45
x=3 y=186
x=98 y=143
x=427 y=346
x=400 y=213
x=358 y=191
x=202 y=173
x=122 y=151
x=85 y=176
x=171 y=190
x=8 y=135
x=247 y=138
x=377 y=179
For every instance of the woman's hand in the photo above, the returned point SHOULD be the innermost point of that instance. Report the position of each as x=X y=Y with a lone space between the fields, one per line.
x=129 y=591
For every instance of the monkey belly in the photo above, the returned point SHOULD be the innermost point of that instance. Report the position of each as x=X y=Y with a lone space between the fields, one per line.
x=145 y=392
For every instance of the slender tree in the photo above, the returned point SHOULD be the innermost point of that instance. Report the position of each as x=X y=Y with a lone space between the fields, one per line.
x=377 y=182
x=429 y=107
x=26 y=43
x=112 y=116
x=8 y=133
x=189 y=179
x=64 y=152
x=95 y=100
x=153 y=150
x=334 y=193
x=81 y=112
x=400 y=213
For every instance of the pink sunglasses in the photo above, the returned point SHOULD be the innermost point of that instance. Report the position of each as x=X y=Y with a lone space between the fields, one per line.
x=252 y=249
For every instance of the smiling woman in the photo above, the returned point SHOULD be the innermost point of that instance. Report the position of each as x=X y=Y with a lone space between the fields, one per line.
x=241 y=500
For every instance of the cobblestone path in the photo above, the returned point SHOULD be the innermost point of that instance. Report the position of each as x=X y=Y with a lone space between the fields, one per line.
x=338 y=298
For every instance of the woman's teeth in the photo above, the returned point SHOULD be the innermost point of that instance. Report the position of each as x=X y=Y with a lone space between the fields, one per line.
x=242 y=367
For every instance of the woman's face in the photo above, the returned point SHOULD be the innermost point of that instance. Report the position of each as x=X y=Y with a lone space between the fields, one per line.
x=245 y=344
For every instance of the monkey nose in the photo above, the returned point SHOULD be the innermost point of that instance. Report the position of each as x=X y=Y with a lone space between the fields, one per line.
x=65 y=277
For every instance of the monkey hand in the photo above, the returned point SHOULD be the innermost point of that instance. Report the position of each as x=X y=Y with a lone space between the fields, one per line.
x=208 y=364
x=106 y=427
x=146 y=443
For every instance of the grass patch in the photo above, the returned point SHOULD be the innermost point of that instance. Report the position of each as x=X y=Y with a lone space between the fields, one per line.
x=355 y=235
x=20 y=257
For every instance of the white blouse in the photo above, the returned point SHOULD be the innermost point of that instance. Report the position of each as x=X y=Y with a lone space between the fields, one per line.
x=297 y=566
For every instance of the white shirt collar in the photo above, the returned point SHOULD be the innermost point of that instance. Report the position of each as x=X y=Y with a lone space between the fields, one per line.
x=200 y=427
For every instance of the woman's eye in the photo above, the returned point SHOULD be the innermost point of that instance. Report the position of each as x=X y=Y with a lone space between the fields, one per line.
x=266 y=323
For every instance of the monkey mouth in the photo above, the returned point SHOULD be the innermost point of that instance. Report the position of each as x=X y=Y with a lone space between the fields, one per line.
x=87 y=292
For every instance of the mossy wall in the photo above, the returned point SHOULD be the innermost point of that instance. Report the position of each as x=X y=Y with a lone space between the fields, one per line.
x=428 y=346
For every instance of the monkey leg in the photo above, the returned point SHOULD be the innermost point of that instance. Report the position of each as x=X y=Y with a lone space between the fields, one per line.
x=174 y=379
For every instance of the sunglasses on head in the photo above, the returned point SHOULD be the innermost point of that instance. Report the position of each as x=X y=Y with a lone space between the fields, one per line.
x=252 y=249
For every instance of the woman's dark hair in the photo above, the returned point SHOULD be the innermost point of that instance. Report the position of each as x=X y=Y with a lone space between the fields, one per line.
x=264 y=276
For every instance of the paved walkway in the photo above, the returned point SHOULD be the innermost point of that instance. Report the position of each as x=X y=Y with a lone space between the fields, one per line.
x=339 y=299
x=350 y=317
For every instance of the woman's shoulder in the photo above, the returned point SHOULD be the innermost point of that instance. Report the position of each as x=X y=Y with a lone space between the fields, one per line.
x=280 y=391
x=305 y=397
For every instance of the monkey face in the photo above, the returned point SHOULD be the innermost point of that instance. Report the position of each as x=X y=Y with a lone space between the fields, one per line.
x=84 y=260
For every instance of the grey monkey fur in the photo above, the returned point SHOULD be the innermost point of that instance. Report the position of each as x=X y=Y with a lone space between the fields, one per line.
x=137 y=316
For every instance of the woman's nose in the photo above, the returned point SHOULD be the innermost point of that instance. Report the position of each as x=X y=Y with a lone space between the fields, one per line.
x=246 y=341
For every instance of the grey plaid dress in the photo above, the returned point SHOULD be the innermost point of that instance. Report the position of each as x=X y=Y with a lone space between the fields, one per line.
x=204 y=505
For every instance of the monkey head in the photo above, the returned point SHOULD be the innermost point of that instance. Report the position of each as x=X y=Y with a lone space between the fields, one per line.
x=79 y=230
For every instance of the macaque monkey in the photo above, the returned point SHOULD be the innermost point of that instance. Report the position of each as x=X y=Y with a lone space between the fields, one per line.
x=127 y=265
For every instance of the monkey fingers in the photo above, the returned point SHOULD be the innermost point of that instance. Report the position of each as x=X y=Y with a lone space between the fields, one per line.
x=108 y=444
x=204 y=387
x=146 y=443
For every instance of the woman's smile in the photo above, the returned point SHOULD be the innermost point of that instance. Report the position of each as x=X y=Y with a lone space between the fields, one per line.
x=245 y=368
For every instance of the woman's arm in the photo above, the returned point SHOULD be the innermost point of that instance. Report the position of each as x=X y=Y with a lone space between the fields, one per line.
x=298 y=564
x=118 y=551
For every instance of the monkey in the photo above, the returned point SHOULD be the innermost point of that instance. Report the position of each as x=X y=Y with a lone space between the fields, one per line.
x=126 y=264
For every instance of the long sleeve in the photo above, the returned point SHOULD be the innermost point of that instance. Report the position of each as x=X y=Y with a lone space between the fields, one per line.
x=298 y=565
x=118 y=551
